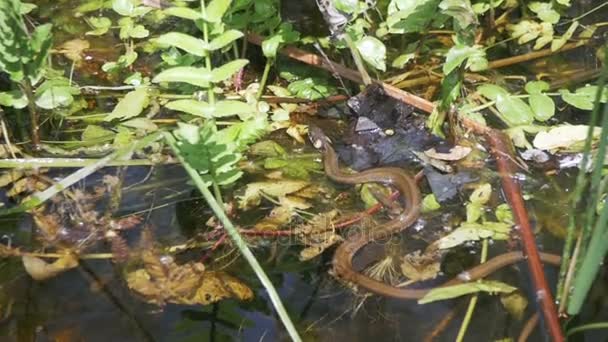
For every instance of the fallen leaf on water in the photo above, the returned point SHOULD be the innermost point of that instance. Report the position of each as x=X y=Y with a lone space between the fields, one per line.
x=515 y=304
x=41 y=270
x=162 y=281
x=417 y=267
x=565 y=137
x=317 y=235
x=448 y=292
x=73 y=49
x=456 y=153
x=469 y=231
x=253 y=191
x=10 y=176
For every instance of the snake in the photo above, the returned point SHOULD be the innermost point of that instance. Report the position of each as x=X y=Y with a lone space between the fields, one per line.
x=342 y=262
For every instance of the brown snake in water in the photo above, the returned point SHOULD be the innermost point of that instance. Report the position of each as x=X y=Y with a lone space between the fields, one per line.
x=342 y=261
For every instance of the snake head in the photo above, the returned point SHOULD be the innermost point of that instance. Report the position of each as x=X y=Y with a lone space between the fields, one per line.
x=317 y=137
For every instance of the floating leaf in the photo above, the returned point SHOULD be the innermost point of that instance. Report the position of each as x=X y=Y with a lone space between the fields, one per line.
x=584 y=97
x=131 y=105
x=252 y=195
x=542 y=106
x=563 y=137
x=514 y=111
x=418 y=267
x=429 y=203
x=455 y=153
x=491 y=91
x=449 y=292
x=536 y=87
x=470 y=231
x=100 y=25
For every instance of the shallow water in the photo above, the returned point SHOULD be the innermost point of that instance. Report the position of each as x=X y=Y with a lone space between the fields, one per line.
x=92 y=302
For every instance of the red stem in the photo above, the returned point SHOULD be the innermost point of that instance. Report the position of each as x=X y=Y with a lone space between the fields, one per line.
x=506 y=166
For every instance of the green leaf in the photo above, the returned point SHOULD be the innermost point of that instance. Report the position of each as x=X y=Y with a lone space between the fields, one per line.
x=514 y=111
x=285 y=34
x=128 y=29
x=412 y=16
x=100 y=25
x=215 y=161
x=26 y=8
x=220 y=109
x=131 y=105
x=94 y=133
x=373 y=51
x=13 y=99
x=429 y=203
x=141 y=123
x=542 y=106
x=224 y=39
x=191 y=75
x=536 y=87
x=491 y=91
x=227 y=70
x=129 y=8
x=458 y=54
x=183 y=41
x=402 y=60
x=584 y=97
x=54 y=97
x=183 y=12
x=454 y=291
x=481 y=195
x=471 y=231
x=216 y=9
x=460 y=10
x=346 y=6
x=557 y=44
x=544 y=11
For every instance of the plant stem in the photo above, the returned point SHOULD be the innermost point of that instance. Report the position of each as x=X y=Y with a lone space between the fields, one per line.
x=581 y=183
x=590 y=326
x=474 y=299
x=358 y=62
x=26 y=86
x=269 y=62
x=41 y=196
x=208 y=65
x=237 y=239
x=33 y=163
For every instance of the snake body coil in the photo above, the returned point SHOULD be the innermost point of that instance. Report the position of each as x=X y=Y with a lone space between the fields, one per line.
x=402 y=181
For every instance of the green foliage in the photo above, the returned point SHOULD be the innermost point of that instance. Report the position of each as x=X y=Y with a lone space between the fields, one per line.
x=21 y=54
x=215 y=161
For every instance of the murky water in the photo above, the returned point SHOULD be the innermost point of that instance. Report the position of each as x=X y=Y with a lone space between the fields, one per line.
x=93 y=303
